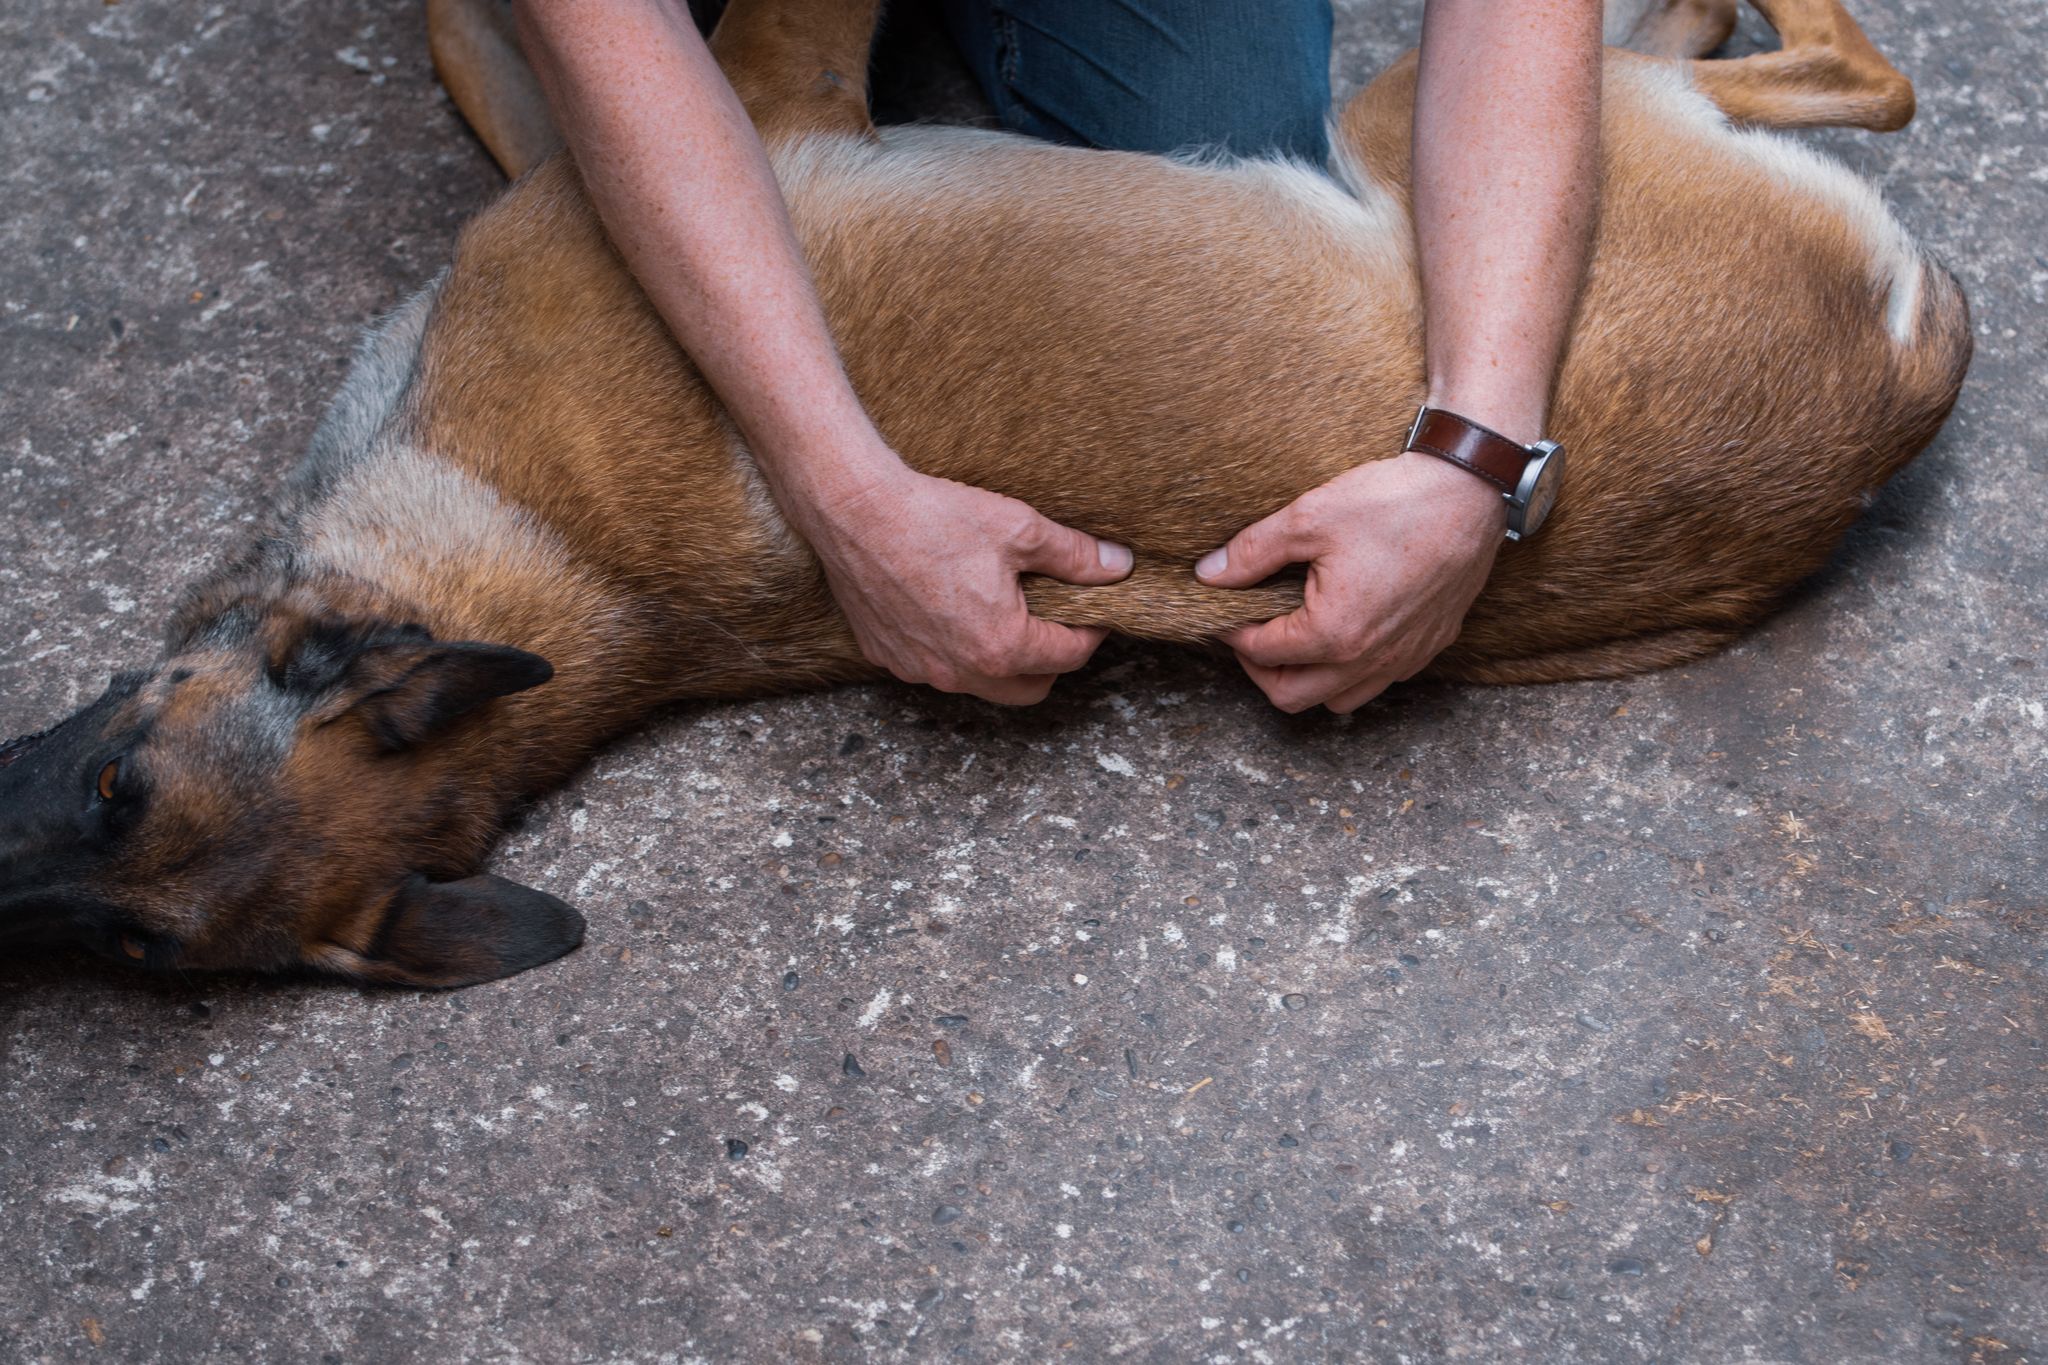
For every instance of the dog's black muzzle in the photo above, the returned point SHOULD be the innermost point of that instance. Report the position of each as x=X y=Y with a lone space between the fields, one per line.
x=47 y=829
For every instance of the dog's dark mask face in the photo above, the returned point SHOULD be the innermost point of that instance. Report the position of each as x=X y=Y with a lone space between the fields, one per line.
x=286 y=794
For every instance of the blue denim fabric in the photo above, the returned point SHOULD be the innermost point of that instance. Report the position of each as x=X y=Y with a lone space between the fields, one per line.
x=1250 y=77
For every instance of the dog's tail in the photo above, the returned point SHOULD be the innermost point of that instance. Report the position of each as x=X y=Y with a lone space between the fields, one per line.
x=1162 y=601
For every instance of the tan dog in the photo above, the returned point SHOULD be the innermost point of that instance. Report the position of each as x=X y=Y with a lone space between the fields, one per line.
x=1154 y=351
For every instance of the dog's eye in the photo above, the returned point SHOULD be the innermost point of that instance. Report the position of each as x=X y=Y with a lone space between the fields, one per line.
x=109 y=777
x=132 y=946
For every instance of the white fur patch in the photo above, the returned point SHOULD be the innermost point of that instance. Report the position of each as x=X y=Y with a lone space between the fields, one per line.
x=1895 y=260
x=1347 y=203
x=937 y=162
x=403 y=507
x=762 y=510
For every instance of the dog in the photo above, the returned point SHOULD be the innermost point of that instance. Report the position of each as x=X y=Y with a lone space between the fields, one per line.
x=525 y=523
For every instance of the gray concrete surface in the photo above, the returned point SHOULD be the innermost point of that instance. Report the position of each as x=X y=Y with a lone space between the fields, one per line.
x=1695 y=1017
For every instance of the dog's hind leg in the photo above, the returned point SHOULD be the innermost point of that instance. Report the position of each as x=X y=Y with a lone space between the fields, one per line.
x=799 y=66
x=1827 y=74
x=476 y=54
x=1670 y=28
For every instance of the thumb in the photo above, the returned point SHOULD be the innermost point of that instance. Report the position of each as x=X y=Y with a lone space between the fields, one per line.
x=1049 y=647
x=1254 y=554
x=1284 y=642
x=1071 y=556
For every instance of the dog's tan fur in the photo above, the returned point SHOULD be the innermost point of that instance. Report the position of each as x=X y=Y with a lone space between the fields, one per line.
x=1155 y=351
x=1161 y=352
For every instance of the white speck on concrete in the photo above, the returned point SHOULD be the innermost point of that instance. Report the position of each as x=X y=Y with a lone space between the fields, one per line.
x=872 y=1015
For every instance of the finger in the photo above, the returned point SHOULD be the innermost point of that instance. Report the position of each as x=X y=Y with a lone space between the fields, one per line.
x=1044 y=546
x=1259 y=551
x=1297 y=689
x=1286 y=641
x=1025 y=690
x=1349 y=700
x=1003 y=690
x=1049 y=647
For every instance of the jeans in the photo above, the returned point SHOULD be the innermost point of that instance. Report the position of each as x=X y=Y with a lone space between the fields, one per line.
x=1250 y=77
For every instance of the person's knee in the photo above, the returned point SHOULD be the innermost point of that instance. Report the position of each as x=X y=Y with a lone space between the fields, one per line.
x=1250 y=86
x=1248 y=76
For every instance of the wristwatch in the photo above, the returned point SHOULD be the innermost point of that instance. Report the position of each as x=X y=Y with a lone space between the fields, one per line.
x=1527 y=476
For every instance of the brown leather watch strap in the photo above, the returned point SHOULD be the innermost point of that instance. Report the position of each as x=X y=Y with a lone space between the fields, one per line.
x=1490 y=455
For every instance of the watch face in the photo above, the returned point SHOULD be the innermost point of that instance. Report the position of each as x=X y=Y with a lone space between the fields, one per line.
x=1538 y=493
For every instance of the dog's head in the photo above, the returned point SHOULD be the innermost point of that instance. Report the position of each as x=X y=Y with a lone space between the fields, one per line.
x=287 y=788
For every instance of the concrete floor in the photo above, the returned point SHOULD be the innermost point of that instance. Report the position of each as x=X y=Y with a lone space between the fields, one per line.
x=1697 y=1016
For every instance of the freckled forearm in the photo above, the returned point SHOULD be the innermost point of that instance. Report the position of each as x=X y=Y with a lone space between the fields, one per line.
x=686 y=193
x=1506 y=176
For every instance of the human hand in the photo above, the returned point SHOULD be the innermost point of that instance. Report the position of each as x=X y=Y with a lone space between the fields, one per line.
x=1397 y=549
x=926 y=572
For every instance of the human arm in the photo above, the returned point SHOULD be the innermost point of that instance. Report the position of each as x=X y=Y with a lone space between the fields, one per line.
x=925 y=569
x=1505 y=194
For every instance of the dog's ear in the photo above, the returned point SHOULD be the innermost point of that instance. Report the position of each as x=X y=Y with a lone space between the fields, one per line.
x=401 y=683
x=440 y=935
x=406 y=694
